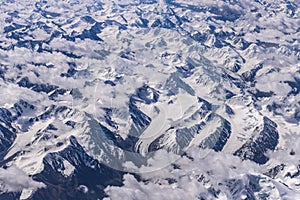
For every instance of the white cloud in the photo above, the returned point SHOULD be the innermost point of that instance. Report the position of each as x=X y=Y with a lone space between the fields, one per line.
x=14 y=179
x=152 y=191
x=195 y=176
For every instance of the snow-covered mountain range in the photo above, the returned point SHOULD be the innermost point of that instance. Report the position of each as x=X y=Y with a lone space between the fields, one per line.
x=150 y=99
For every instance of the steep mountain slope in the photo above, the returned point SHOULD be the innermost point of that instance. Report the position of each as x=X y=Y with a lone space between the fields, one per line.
x=199 y=98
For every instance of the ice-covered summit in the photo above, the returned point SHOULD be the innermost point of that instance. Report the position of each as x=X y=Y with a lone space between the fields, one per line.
x=149 y=99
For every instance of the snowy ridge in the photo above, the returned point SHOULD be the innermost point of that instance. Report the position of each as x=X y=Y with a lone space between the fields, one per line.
x=93 y=89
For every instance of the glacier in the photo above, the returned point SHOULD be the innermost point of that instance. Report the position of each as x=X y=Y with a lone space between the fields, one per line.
x=149 y=99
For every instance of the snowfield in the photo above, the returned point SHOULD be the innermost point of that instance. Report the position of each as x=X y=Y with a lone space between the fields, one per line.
x=149 y=99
